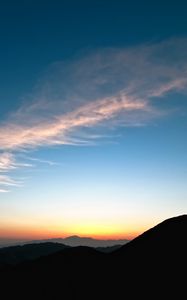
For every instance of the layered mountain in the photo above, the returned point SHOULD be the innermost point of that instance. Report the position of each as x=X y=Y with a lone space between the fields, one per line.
x=152 y=266
x=76 y=241
x=72 y=241
x=14 y=255
x=18 y=254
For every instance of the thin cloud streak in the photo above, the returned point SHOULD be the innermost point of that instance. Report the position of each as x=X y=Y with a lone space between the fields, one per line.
x=178 y=84
x=4 y=191
x=15 y=136
x=120 y=85
x=8 y=162
x=6 y=180
x=105 y=89
x=42 y=161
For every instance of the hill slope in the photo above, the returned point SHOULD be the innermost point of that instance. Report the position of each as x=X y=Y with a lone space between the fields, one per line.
x=165 y=237
x=18 y=254
x=150 y=266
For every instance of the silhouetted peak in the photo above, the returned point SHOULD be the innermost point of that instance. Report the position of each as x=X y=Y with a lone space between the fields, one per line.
x=73 y=237
x=76 y=237
x=166 y=236
x=173 y=227
x=181 y=219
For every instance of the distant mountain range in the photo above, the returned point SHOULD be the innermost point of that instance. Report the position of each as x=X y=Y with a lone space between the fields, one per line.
x=73 y=241
x=152 y=266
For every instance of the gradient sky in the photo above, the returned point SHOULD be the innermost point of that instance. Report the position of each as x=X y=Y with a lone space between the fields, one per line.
x=93 y=117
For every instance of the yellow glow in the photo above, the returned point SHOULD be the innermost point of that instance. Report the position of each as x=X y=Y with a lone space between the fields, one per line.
x=87 y=223
x=44 y=231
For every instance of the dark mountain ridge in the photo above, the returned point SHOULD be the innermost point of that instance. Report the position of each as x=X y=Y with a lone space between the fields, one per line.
x=151 y=266
x=72 y=241
x=76 y=241
x=167 y=235
x=17 y=254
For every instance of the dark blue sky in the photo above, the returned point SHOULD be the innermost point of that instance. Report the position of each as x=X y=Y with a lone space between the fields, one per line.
x=34 y=34
x=93 y=116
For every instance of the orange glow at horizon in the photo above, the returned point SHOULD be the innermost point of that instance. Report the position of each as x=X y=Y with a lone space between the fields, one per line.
x=44 y=232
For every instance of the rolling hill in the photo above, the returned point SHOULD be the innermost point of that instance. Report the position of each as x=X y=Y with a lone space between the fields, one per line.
x=151 y=266
x=18 y=254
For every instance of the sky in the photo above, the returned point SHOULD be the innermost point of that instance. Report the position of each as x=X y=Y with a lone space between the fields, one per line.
x=93 y=117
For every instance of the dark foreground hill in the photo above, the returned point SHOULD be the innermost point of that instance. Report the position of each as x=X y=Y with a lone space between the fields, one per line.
x=18 y=254
x=152 y=266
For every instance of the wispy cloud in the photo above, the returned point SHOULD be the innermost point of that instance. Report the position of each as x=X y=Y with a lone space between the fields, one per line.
x=110 y=84
x=8 y=162
x=56 y=131
x=109 y=87
x=42 y=161
x=3 y=191
x=178 y=84
x=6 y=180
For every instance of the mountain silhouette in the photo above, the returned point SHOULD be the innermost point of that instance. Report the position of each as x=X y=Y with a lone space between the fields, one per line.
x=17 y=254
x=91 y=242
x=157 y=258
x=152 y=266
x=72 y=241
x=75 y=241
x=163 y=238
